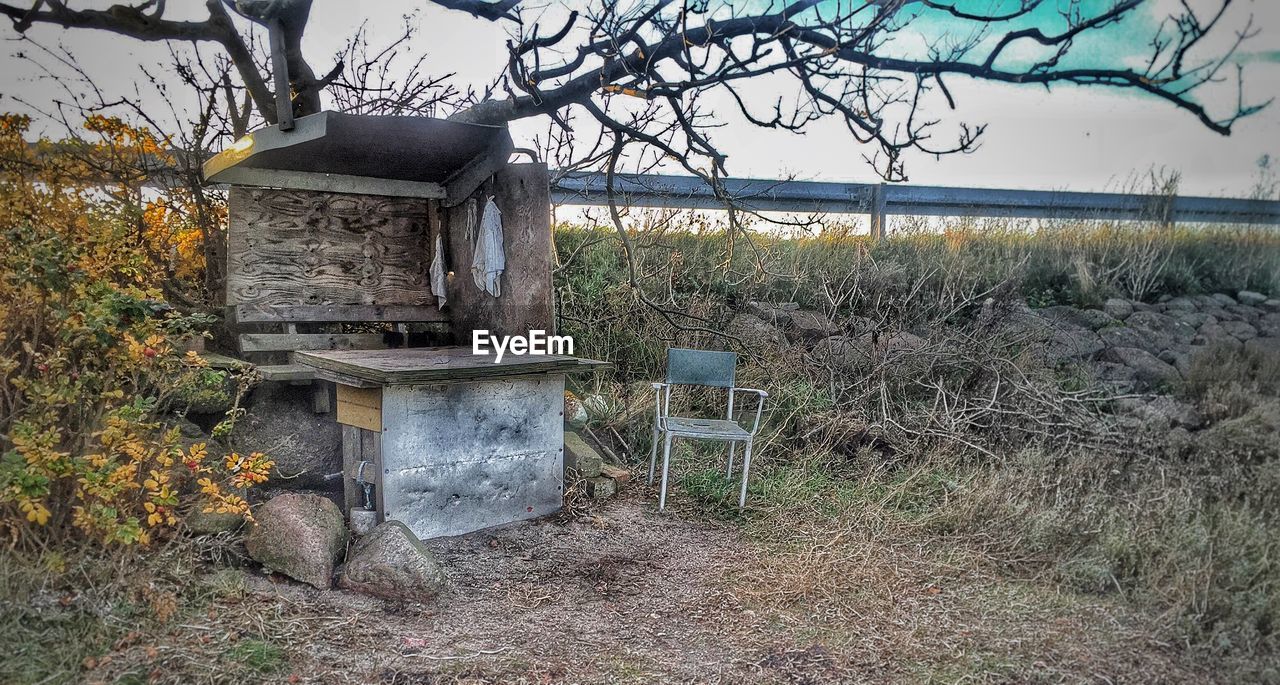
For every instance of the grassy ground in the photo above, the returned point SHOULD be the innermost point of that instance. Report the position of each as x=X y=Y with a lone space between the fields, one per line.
x=874 y=550
x=623 y=594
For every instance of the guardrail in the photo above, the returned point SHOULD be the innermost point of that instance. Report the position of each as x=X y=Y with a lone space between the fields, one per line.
x=880 y=200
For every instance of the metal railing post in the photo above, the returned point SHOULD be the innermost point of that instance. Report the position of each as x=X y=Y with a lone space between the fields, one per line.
x=877 y=211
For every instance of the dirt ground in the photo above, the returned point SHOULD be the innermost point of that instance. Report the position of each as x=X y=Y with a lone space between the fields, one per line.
x=623 y=594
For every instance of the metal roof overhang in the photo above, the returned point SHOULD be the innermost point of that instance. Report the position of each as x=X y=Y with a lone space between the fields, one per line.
x=372 y=155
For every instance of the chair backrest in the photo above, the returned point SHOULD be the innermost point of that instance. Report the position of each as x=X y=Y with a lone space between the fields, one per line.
x=701 y=367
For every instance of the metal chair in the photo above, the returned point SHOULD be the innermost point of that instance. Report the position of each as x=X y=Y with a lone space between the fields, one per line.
x=707 y=369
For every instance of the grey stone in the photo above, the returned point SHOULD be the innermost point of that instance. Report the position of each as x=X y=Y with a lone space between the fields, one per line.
x=1163 y=412
x=898 y=343
x=1224 y=299
x=1250 y=298
x=1269 y=325
x=1179 y=304
x=809 y=327
x=392 y=563
x=1149 y=370
x=281 y=422
x=601 y=487
x=581 y=460
x=1112 y=371
x=842 y=351
x=201 y=522
x=771 y=312
x=1118 y=308
x=1272 y=305
x=1244 y=313
x=1193 y=319
x=1240 y=330
x=1092 y=319
x=754 y=331
x=299 y=535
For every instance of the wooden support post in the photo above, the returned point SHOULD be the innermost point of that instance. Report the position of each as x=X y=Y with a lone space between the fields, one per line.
x=320 y=400
x=360 y=445
x=877 y=211
x=280 y=74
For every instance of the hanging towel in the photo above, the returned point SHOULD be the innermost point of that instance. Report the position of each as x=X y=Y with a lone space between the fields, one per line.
x=437 y=273
x=489 y=262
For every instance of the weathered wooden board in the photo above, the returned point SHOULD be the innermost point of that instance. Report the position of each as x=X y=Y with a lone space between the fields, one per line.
x=360 y=407
x=280 y=342
x=522 y=193
x=296 y=247
x=435 y=364
x=323 y=313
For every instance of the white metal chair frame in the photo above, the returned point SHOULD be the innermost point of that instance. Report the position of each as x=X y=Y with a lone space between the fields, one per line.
x=727 y=430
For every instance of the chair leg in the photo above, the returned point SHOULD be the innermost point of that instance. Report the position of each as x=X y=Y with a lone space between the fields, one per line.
x=653 y=453
x=666 y=464
x=746 y=475
x=728 y=472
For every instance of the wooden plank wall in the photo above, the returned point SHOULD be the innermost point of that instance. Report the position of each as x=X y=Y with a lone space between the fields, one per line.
x=296 y=247
x=522 y=193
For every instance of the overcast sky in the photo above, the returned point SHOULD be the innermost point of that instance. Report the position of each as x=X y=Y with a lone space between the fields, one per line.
x=1070 y=138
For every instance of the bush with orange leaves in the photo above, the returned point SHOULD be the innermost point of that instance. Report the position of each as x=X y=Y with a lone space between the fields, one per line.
x=89 y=371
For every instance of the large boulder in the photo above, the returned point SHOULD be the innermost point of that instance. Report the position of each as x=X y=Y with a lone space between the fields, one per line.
x=1118 y=308
x=1162 y=412
x=392 y=563
x=1269 y=325
x=1092 y=319
x=302 y=536
x=1148 y=369
x=809 y=327
x=754 y=332
x=281 y=422
x=1250 y=298
x=1239 y=330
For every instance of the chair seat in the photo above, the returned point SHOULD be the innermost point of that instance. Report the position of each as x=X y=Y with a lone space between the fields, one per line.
x=720 y=429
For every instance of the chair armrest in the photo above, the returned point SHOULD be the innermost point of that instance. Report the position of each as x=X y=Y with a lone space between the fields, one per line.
x=759 y=404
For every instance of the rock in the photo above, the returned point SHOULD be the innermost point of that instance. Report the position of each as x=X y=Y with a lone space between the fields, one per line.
x=575 y=413
x=601 y=487
x=299 y=535
x=1250 y=298
x=201 y=522
x=392 y=563
x=1151 y=331
x=1092 y=319
x=1244 y=313
x=281 y=422
x=1179 y=304
x=1163 y=411
x=1118 y=308
x=619 y=475
x=1148 y=369
x=1112 y=371
x=1224 y=299
x=1215 y=334
x=1193 y=319
x=809 y=327
x=842 y=351
x=1239 y=330
x=1269 y=325
x=773 y=313
x=1272 y=305
x=581 y=460
x=754 y=332
x=898 y=343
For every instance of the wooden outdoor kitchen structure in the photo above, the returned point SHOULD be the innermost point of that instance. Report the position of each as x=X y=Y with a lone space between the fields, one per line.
x=333 y=227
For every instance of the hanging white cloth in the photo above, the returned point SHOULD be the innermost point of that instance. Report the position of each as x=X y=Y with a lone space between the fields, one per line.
x=437 y=273
x=489 y=261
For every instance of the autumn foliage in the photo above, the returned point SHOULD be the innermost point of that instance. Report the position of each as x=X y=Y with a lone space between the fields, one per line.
x=88 y=346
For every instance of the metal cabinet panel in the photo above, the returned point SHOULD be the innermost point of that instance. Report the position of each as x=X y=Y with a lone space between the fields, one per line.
x=459 y=457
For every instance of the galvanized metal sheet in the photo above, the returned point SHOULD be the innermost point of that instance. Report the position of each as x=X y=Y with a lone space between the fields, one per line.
x=464 y=456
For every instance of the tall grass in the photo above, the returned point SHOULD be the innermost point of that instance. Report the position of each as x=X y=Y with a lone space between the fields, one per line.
x=1184 y=523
